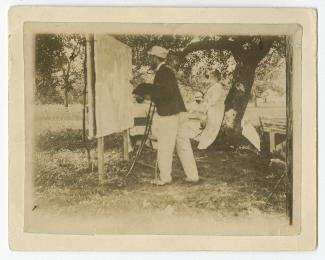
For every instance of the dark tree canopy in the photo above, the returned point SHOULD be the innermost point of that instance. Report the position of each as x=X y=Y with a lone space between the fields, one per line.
x=59 y=67
x=248 y=52
x=48 y=48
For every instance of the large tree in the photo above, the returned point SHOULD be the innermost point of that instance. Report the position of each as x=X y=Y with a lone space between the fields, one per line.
x=59 y=66
x=70 y=63
x=48 y=46
x=249 y=52
x=253 y=56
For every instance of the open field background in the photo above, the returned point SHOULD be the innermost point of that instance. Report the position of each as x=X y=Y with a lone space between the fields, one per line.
x=56 y=117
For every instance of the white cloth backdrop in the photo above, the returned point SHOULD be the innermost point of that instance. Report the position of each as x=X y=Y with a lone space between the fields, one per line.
x=113 y=98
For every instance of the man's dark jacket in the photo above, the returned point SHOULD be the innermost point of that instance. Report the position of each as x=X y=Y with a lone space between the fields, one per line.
x=164 y=92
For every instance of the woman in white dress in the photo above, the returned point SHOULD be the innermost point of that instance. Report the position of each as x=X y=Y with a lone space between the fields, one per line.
x=214 y=99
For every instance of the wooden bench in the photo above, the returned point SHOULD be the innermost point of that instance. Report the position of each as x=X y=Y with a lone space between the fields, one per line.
x=276 y=128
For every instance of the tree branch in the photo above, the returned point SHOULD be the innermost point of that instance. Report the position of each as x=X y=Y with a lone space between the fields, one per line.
x=234 y=44
x=265 y=45
x=223 y=43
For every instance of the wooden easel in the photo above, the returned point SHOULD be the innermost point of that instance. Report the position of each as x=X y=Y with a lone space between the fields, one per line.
x=90 y=79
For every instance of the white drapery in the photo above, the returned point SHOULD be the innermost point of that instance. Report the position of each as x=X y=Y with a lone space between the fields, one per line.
x=113 y=98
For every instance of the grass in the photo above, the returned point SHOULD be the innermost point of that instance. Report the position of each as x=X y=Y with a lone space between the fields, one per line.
x=234 y=183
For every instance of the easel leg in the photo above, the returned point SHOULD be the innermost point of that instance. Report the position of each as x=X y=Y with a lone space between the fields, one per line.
x=126 y=145
x=100 y=152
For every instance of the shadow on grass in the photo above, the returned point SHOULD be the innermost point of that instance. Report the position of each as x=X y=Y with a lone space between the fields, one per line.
x=234 y=182
x=71 y=139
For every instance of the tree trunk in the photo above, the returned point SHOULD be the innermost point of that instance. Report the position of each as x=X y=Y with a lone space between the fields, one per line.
x=247 y=51
x=66 y=84
x=236 y=103
x=66 y=101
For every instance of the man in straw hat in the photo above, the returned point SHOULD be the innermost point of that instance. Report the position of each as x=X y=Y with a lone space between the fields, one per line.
x=171 y=120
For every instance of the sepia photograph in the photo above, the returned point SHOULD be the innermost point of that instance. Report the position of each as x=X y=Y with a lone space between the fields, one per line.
x=176 y=129
x=162 y=133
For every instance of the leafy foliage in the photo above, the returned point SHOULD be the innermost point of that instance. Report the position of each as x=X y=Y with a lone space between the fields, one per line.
x=47 y=48
x=254 y=64
x=59 y=67
x=141 y=44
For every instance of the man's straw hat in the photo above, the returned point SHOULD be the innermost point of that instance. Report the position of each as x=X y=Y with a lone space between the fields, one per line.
x=158 y=51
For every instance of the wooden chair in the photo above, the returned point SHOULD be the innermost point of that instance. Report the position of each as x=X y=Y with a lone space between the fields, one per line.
x=142 y=121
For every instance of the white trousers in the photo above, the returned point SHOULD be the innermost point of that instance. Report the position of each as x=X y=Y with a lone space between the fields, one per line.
x=172 y=130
